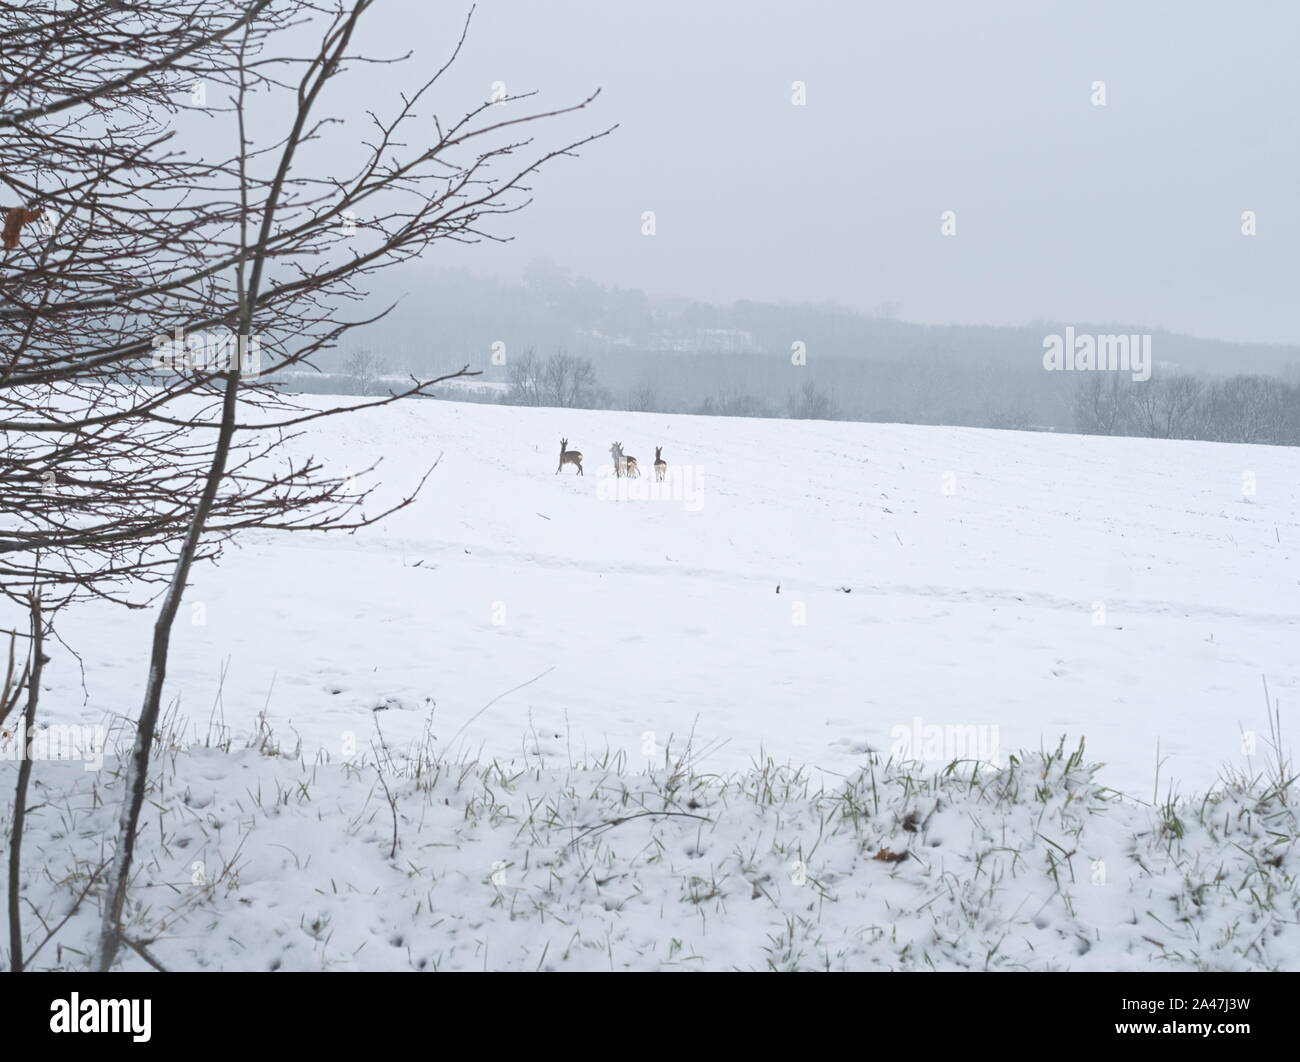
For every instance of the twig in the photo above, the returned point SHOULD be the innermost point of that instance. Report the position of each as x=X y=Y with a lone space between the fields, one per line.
x=142 y=951
x=494 y=701
x=611 y=823
x=20 y=790
x=76 y=906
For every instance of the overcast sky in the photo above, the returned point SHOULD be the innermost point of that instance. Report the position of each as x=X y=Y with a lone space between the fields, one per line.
x=1128 y=212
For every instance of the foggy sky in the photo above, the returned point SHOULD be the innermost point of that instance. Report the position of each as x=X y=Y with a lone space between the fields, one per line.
x=1066 y=211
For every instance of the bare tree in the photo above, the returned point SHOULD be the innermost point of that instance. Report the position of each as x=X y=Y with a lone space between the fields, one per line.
x=144 y=327
x=1101 y=404
x=365 y=369
x=810 y=403
x=30 y=681
x=1180 y=406
x=562 y=380
x=642 y=399
x=1163 y=407
x=1247 y=409
x=568 y=381
x=524 y=380
x=1146 y=407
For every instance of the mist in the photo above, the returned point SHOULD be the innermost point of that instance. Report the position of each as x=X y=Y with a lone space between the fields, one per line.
x=1062 y=207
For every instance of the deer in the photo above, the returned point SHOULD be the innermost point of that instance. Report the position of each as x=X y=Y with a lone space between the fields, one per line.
x=623 y=465
x=569 y=457
x=661 y=466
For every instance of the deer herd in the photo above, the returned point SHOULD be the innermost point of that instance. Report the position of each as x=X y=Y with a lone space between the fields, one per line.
x=624 y=465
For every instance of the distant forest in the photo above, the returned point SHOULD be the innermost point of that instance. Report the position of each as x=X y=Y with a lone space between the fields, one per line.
x=555 y=339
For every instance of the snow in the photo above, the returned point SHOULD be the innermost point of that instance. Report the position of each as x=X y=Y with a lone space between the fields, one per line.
x=970 y=608
x=985 y=591
x=256 y=858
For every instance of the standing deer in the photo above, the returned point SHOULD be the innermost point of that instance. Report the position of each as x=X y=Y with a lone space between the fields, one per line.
x=661 y=466
x=569 y=457
x=623 y=465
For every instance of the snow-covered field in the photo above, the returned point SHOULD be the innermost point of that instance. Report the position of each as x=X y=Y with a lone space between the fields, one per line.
x=898 y=601
x=944 y=593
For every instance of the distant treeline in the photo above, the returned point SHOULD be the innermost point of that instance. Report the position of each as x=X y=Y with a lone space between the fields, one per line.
x=555 y=339
x=1239 y=409
x=933 y=389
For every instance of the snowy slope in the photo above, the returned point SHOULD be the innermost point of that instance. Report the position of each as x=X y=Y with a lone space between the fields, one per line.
x=928 y=576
